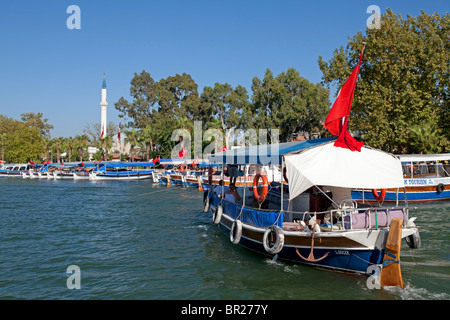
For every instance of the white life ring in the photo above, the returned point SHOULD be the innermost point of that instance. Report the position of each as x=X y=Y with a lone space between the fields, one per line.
x=236 y=231
x=279 y=239
x=217 y=216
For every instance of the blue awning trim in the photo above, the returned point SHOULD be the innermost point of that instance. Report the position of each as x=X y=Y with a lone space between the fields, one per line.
x=264 y=154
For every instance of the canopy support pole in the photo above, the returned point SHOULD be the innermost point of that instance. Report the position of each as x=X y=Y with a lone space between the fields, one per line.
x=326 y=196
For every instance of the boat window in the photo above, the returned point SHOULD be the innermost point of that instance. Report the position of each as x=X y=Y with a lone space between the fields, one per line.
x=406 y=170
x=443 y=170
x=422 y=169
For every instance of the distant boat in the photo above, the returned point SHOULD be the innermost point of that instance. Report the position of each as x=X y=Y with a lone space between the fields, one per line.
x=121 y=171
x=426 y=178
x=14 y=170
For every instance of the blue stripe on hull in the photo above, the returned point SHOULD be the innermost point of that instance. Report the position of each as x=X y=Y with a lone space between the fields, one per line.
x=410 y=196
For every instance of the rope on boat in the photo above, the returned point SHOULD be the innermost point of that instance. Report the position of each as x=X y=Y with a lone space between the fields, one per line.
x=370 y=263
x=152 y=192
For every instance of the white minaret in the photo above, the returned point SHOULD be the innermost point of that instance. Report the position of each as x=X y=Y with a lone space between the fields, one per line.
x=103 y=106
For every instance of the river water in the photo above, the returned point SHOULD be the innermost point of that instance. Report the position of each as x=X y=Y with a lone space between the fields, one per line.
x=136 y=240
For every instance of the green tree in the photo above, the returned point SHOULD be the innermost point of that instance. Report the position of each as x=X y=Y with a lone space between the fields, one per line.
x=227 y=104
x=289 y=103
x=3 y=137
x=144 y=91
x=34 y=120
x=23 y=143
x=178 y=96
x=404 y=79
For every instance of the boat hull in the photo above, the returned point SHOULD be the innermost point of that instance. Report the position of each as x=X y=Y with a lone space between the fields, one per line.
x=8 y=173
x=347 y=250
x=120 y=176
x=341 y=253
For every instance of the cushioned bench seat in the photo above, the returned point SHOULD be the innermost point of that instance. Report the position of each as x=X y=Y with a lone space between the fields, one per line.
x=372 y=219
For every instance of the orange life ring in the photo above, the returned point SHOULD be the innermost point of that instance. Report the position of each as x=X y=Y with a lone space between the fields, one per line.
x=265 y=186
x=380 y=197
x=183 y=167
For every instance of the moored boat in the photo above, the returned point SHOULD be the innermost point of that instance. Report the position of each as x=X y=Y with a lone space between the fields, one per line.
x=121 y=171
x=426 y=178
x=320 y=225
x=14 y=170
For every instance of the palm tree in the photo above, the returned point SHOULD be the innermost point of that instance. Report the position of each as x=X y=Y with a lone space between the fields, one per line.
x=425 y=138
x=69 y=143
x=81 y=143
x=58 y=142
x=51 y=148
x=132 y=136
x=146 y=137
x=106 y=143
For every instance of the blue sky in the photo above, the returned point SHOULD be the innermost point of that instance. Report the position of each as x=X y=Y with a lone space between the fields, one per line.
x=45 y=67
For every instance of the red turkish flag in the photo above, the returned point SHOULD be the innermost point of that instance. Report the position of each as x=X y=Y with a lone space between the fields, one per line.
x=337 y=118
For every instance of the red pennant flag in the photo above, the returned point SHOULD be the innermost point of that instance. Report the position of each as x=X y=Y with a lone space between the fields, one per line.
x=224 y=149
x=156 y=160
x=194 y=163
x=337 y=118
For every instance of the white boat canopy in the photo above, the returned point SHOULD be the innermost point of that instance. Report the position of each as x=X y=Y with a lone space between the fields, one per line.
x=327 y=165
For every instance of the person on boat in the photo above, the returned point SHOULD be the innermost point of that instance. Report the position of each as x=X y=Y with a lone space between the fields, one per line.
x=218 y=189
x=232 y=195
x=233 y=172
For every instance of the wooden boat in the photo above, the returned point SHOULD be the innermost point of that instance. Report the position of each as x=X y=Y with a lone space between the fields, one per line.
x=426 y=178
x=319 y=225
x=121 y=171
